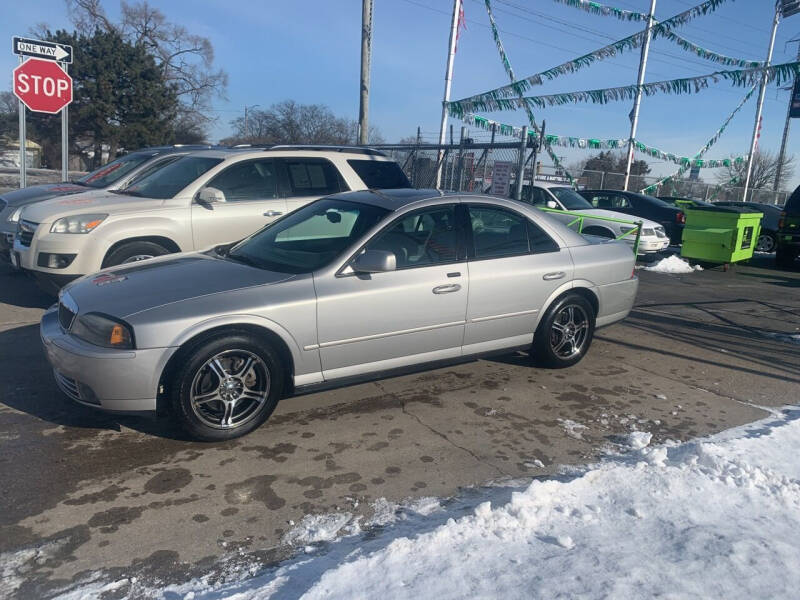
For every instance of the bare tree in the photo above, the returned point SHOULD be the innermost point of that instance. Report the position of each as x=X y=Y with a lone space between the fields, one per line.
x=289 y=122
x=765 y=167
x=186 y=59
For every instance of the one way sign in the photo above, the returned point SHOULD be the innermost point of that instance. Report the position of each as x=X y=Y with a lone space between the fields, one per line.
x=41 y=49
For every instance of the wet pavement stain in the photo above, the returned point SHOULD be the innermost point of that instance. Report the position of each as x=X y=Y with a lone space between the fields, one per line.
x=109 y=520
x=254 y=489
x=170 y=480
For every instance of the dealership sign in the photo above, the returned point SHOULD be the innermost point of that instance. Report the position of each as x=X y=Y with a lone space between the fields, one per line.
x=42 y=85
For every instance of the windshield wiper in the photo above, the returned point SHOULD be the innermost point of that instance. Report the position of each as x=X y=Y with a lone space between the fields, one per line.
x=245 y=260
x=127 y=193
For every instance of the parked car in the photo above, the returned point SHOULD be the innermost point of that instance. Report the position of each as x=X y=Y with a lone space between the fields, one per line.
x=639 y=205
x=348 y=286
x=788 y=247
x=198 y=201
x=653 y=238
x=114 y=175
x=682 y=202
x=768 y=239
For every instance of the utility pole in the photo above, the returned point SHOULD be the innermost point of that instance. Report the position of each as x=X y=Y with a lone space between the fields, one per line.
x=761 y=91
x=366 y=57
x=23 y=143
x=448 y=76
x=782 y=153
x=638 y=100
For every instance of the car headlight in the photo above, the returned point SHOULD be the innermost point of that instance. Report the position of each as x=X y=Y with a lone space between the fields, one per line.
x=77 y=224
x=102 y=330
x=14 y=216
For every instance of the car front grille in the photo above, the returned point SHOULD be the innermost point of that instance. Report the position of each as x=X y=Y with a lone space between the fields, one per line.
x=25 y=231
x=68 y=385
x=65 y=316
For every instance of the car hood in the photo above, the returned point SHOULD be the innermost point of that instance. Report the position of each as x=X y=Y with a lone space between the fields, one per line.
x=611 y=214
x=35 y=193
x=100 y=201
x=126 y=290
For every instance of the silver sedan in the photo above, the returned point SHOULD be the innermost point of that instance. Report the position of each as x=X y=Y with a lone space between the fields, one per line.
x=350 y=286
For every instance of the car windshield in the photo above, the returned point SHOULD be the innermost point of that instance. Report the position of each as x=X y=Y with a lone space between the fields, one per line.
x=115 y=170
x=570 y=198
x=309 y=238
x=166 y=182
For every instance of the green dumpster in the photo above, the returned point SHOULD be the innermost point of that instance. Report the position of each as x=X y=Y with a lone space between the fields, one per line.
x=720 y=234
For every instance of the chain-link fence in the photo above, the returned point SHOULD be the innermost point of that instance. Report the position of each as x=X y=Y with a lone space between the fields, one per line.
x=495 y=167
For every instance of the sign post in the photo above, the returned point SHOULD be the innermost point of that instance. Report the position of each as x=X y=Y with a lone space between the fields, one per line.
x=41 y=83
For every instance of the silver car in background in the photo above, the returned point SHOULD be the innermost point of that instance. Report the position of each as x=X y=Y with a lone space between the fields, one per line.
x=349 y=286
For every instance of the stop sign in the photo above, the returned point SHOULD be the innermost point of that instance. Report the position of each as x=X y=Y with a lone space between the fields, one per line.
x=42 y=85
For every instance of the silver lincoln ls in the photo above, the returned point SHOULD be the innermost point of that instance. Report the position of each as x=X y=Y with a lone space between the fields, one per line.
x=349 y=286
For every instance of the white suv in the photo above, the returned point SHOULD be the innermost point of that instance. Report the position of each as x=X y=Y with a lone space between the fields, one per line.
x=196 y=202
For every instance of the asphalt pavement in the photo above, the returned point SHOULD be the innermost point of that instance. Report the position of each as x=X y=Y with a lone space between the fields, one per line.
x=84 y=494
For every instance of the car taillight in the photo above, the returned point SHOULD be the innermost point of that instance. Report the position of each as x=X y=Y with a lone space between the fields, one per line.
x=782 y=220
x=680 y=218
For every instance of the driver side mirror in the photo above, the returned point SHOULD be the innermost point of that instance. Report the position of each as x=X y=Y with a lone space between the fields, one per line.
x=552 y=204
x=210 y=195
x=375 y=261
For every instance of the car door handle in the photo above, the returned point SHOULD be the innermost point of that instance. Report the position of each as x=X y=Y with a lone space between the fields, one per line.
x=273 y=213
x=446 y=289
x=553 y=276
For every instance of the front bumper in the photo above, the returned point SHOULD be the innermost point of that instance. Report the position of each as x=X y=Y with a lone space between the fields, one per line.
x=111 y=380
x=50 y=280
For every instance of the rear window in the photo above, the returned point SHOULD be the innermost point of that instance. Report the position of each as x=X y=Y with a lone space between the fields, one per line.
x=380 y=174
x=793 y=203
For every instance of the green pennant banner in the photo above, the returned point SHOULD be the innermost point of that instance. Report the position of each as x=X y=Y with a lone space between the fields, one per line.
x=689 y=85
x=607 y=11
x=685 y=161
x=708 y=54
x=517 y=88
x=519 y=93
x=717 y=134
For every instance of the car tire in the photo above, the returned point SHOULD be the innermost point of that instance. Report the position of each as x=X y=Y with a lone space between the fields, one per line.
x=784 y=257
x=569 y=320
x=766 y=242
x=133 y=252
x=226 y=386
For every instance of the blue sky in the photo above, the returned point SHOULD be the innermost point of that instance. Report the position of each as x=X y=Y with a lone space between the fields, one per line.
x=308 y=50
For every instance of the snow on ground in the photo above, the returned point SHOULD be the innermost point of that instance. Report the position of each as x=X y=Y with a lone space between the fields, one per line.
x=789 y=338
x=673 y=264
x=712 y=518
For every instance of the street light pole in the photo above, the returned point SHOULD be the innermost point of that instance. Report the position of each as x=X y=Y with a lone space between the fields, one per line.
x=761 y=91
x=638 y=100
x=782 y=153
x=448 y=76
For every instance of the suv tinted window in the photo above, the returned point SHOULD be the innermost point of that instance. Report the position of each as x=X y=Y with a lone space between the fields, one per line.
x=313 y=177
x=380 y=174
x=793 y=203
x=419 y=239
x=248 y=180
x=170 y=180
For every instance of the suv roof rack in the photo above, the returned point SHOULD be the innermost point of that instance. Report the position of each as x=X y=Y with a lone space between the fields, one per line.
x=320 y=148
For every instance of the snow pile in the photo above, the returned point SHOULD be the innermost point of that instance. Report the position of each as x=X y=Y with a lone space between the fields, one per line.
x=673 y=264
x=789 y=338
x=713 y=518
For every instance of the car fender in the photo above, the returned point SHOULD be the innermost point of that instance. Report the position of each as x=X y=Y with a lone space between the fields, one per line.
x=565 y=287
x=176 y=228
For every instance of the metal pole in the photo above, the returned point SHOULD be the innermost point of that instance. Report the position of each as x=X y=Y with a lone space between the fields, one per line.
x=65 y=137
x=761 y=91
x=521 y=163
x=638 y=100
x=460 y=169
x=536 y=147
x=366 y=56
x=486 y=163
x=782 y=153
x=448 y=76
x=23 y=155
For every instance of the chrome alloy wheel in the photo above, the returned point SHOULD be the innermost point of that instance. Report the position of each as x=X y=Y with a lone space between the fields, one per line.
x=569 y=331
x=137 y=258
x=766 y=243
x=229 y=388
